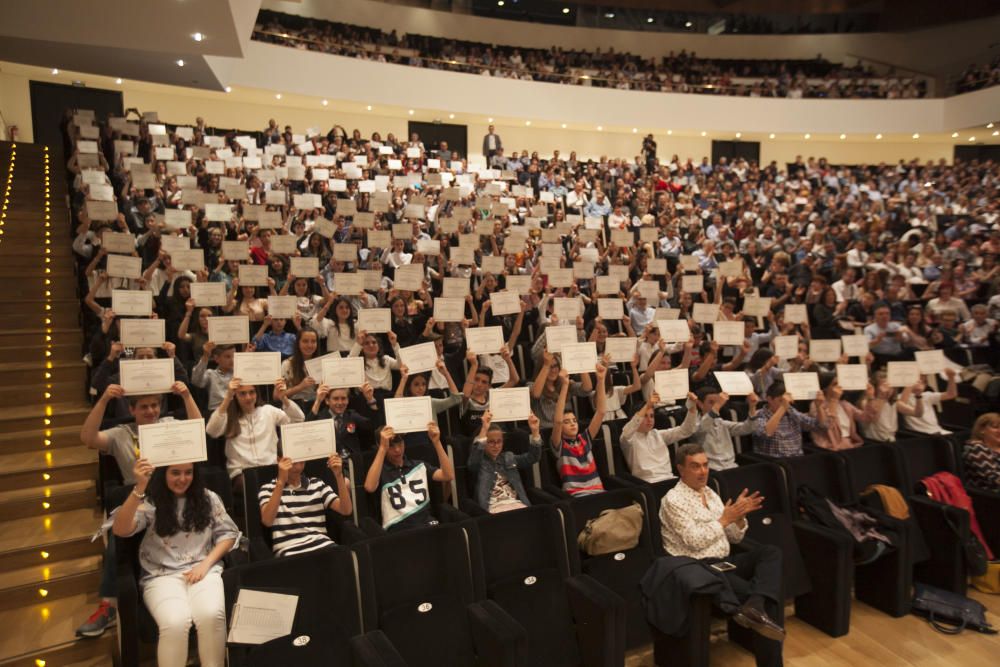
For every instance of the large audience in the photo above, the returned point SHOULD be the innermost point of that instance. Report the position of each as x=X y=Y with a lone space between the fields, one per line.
x=977 y=77
x=681 y=72
x=823 y=304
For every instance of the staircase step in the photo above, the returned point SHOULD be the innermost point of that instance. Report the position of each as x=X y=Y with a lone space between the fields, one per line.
x=43 y=634
x=40 y=500
x=41 y=574
x=35 y=346
x=30 y=372
x=31 y=439
x=23 y=417
x=53 y=589
x=60 y=535
x=35 y=393
x=11 y=337
x=42 y=461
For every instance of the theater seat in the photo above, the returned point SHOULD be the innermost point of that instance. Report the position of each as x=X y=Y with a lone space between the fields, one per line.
x=524 y=566
x=417 y=588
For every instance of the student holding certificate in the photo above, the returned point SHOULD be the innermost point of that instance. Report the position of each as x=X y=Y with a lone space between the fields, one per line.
x=477 y=390
x=338 y=330
x=499 y=487
x=301 y=385
x=250 y=428
x=841 y=428
x=417 y=385
x=378 y=366
x=779 y=426
x=180 y=558
x=403 y=484
x=572 y=447
x=354 y=428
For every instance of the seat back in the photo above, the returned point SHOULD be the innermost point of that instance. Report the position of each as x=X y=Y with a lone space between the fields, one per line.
x=257 y=533
x=874 y=464
x=925 y=456
x=521 y=563
x=418 y=584
x=824 y=472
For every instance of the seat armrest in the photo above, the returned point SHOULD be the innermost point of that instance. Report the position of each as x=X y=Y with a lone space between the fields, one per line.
x=373 y=649
x=599 y=613
x=987 y=507
x=351 y=534
x=499 y=640
x=449 y=513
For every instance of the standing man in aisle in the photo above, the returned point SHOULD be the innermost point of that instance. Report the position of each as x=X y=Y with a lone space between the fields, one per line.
x=491 y=144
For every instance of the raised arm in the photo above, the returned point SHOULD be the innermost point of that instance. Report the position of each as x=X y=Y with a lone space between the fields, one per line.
x=446 y=471
x=557 y=416
x=375 y=470
x=601 y=403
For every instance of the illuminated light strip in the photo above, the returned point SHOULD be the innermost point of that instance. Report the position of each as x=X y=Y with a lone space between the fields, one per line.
x=7 y=189
x=46 y=285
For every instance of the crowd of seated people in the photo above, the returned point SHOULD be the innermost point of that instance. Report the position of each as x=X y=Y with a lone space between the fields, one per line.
x=977 y=77
x=675 y=73
x=566 y=276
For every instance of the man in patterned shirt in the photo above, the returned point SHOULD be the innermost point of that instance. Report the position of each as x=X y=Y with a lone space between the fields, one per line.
x=695 y=523
x=779 y=426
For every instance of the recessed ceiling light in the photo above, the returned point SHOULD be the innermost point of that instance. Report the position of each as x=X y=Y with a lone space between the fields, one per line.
x=996 y=133
x=634 y=130
x=325 y=102
x=808 y=136
x=739 y=134
x=688 y=24
x=843 y=136
x=670 y=131
x=989 y=126
x=277 y=96
x=564 y=126
x=565 y=10
x=954 y=135
x=650 y=20
x=118 y=81
x=229 y=89
x=489 y=120
x=527 y=122
x=55 y=70
x=771 y=136
x=878 y=136
x=369 y=107
x=972 y=138
x=609 y=15
x=916 y=135
x=451 y=115
x=197 y=36
x=410 y=112
x=600 y=127
x=180 y=63
x=499 y=3
x=704 y=133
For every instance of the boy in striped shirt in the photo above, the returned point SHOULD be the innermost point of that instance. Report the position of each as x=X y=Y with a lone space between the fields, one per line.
x=294 y=506
x=574 y=448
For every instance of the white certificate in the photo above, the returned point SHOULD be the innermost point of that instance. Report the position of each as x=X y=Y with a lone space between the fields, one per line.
x=666 y=314
x=232 y=330
x=505 y=302
x=260 y=616
x=802 y=386
x=304 y=267
x=449 y=309
x=257 y=367
x=173 y=245
x=903 y=373
x=208 y=294
x=567 y=309
x=930 y=362
x=824 y=350
x=855 y=346
x=146 y=376
x=348 y=283
x=556 y=337
x=430 y=247
x=339 y=372
x=510 y=405
x=177 y=218
x=282 y=307
x=345 y=252
x=173 y=442
x=610 y=309
x=455 y=288
x=672 y=385
x=191 y=259
x=238 y=251
x=731 y=268
x=579 y=357
x=120 y=242
x=674 y=331
x=492 y=264
x=374 y=320
x=561 y=278
x=409 y=415
x=705 y=313
x=757 y=306
x=142 y=333
x=409 y=277
x=852 y=377
x=484 y=340
x=694 y=284
x=795 y=313
x=138 y=303
x=305 y=441
x=519 y=284
x=253 y=275
x=728 y=333
x=608 y=285
x=124 y=266
x=734 y=383
x=419 y=358
x=786 y=347
x=620 y=349
x=656 y=267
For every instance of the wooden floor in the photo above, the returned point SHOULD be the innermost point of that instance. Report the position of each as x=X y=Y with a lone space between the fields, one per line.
x=874 y=639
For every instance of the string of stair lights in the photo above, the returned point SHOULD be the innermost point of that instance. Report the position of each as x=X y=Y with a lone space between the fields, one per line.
x=6 y=194
x=47 y=393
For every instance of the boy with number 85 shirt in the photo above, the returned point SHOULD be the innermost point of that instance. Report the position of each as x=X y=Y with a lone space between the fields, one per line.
x=404 y=484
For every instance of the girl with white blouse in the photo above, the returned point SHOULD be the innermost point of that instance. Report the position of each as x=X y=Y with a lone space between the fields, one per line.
x=338 y=330
x=250 y=428
x=378 y=366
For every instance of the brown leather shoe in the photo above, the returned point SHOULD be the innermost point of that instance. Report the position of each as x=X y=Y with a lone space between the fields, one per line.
x=756 y=620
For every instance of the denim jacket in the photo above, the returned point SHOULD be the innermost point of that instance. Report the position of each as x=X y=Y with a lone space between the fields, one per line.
x=506 y=464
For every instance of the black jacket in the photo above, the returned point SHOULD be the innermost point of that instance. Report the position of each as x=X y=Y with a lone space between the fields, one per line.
x=668 y=586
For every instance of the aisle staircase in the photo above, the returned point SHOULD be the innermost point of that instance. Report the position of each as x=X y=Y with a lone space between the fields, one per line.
x=49 y=568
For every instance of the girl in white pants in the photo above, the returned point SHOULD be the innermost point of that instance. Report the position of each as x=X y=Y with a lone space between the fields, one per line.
x=187 y=533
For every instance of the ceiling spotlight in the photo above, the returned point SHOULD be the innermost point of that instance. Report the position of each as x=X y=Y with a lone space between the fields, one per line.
x=499 y=3
x=489 y=120
x=197 y=36
x=650 y=20
x=808 y=136
x=972 y=138
x=609 y=15
x=369 y=107
x=180 y=63
x=996 y=133
x=688 y=24
x=954 y=135
x=451 y=116
x=277 y=96
x=878 y=136
x=564 y=126
x=600 y=127
x=704 y=133
x=670 y=132
x=325 y=102
x=843 y=136
x=118 y=81
x=989 y=126
x=739 y=135
x=410 y=112
x=771 y=136
x=634 y=130
x=229 y=89
x=55 y=70
x=916 y=135
x=527 y=122
x=565 y=10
